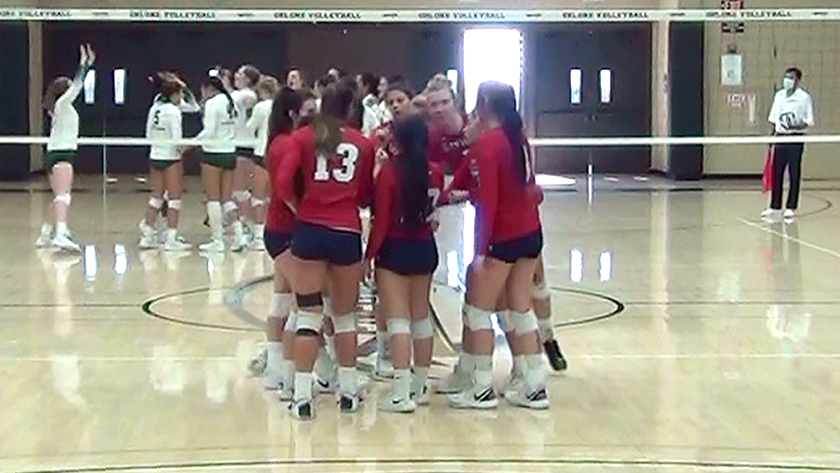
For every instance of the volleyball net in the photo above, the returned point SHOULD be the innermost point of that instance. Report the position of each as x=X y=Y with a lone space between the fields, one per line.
x=682 y=91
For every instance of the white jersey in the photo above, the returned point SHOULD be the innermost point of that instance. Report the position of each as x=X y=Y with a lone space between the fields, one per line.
x=258 y=126
x=64 y=129
x=218 y=135
x=788 y=113
x=244 y=100
x=163 y=127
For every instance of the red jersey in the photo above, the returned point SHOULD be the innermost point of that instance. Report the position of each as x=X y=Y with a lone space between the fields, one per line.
x=387 y=208
x=334 y=187
x=280 y=217
x=506 y=207
x=464 y=179
x=448 y=149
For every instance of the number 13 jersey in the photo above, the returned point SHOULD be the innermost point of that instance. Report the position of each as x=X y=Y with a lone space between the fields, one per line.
x=334 y=187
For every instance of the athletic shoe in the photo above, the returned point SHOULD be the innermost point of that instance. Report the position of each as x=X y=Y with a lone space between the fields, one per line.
x=326 y=385
x=258 y=363
x=456 y=382
x=213 y=246
x=148 y=242
x=513 y=383
x=257 y=244
x=384 y=368
x=475 y=398
x=326 y=373
x=423 y=396
x=286 y=392
x=178 y=244
x=272 y=381
x=302 y=410
x=64 y=241
x=555 y=356
x=239 y=244
x=789 y=214
x=522 y=396
x=349 y=403
x=771 y=215
x=44 y=239
x=391 y=403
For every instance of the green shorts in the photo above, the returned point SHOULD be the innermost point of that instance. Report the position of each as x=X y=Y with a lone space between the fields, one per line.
x=54 y=157
x=219 y=160
x=162 y=164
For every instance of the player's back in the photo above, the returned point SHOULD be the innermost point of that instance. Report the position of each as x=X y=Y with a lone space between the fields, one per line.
x=335 y=186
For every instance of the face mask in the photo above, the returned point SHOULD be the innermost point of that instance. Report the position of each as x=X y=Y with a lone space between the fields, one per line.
x=787 y=83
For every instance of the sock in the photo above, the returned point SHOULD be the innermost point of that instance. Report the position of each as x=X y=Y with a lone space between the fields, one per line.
x=467 y=363
x=275 y=356
x=171 y=234
x=546 y=329
x=420 y=378
x=381 y=349
x=277 y=300
x=259 y=230
x=303 y=386
x=348 y=380
x=287 y=371
x=46 y=228
x=519 y=365
x=535 y=374
x=61 y=228
x=402 y=383
x=483 y=374
x=214 y=218
x=331 y=347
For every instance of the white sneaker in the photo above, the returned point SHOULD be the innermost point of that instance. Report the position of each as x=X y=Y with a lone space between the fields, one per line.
x=790 y=214
x=239 y=243
x=64 y=241
x=286 y=392
x=514 y=383
x=456 y=382
x=390 y=403
x=44 y=239
x=257 y=365
x=148 y=242
x=326 y=373
x=326 y=385
x=257 y=244
x=771 y=215
x=272 y=381
x=384 y=368
x=475 y=398
x=421 y=396
x=213 y=246
x=302 y=410
x=523 y=396
x=178 y=244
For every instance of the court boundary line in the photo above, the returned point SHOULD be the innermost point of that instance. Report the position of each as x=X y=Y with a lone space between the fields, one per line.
x=790 y=238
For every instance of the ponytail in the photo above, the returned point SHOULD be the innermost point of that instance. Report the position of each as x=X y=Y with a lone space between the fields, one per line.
x=216 y=82
x=512 y=126
x=412 y=134
x=501 y=100
x=335 y=110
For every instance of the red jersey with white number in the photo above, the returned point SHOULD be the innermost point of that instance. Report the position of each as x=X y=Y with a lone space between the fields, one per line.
x=448 y=149
x=387 y=207
x=506 y=207
x=334 y=187
x=280 y=217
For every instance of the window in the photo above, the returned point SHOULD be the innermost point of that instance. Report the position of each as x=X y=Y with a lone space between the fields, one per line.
x=575 y=77
x=119 y=86
x=90 y=87
x=606 y=85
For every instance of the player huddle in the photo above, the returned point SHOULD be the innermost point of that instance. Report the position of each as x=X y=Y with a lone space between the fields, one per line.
x=290 y=169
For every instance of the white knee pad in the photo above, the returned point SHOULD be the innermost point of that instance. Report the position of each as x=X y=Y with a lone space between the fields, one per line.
x=291 y=322
x=241 y=196
x=229 y=207
x=344 y=323
x=421 y=329
x=155 y=202
x=399 y=326
x=309 y=321
x=63 y=198
x=505 y=321
x=524 y=322
x=175 y=204
x=257 y=202
x=540 y=291
x=478 y=319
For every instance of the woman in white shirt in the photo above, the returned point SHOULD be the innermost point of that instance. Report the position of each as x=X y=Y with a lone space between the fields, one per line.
x=164 y=129
x=244 y=81
x=257 y=127
x=61 y=152
x=218 y=157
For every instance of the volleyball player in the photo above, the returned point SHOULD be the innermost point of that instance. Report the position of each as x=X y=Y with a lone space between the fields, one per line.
x=336 y=162
x=447 y=123
x=164 y=128
x=278 y=238
x=258 y=126
x=244 y=81
x=295 y=80
x=403 y=246
x=218 y=156
x=509 y=241
x=61 y=152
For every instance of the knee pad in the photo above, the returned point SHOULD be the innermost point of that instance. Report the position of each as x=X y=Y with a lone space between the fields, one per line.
x=241 y=196
x=63 y=198
x=478 y=319
x=524 y=322
x=399 y=326
x=540 y=291
x=175 y=204
x=421 y=329
x=155 y=202
x=344 y=323
x=229 y=207
x=309 y=323
x=291 y=322
x=257 y=202
x=309 y=300
x=505 y=321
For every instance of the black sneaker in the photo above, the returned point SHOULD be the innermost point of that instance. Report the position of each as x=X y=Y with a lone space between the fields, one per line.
x=555 y=356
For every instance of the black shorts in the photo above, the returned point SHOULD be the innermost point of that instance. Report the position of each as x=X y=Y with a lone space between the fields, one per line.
x=276 y=242
x=162 y=164
x=54 y=157
x=244 y=152
x=226 y=161
x=408 y=257
x=319 y=243
x=528 y=246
